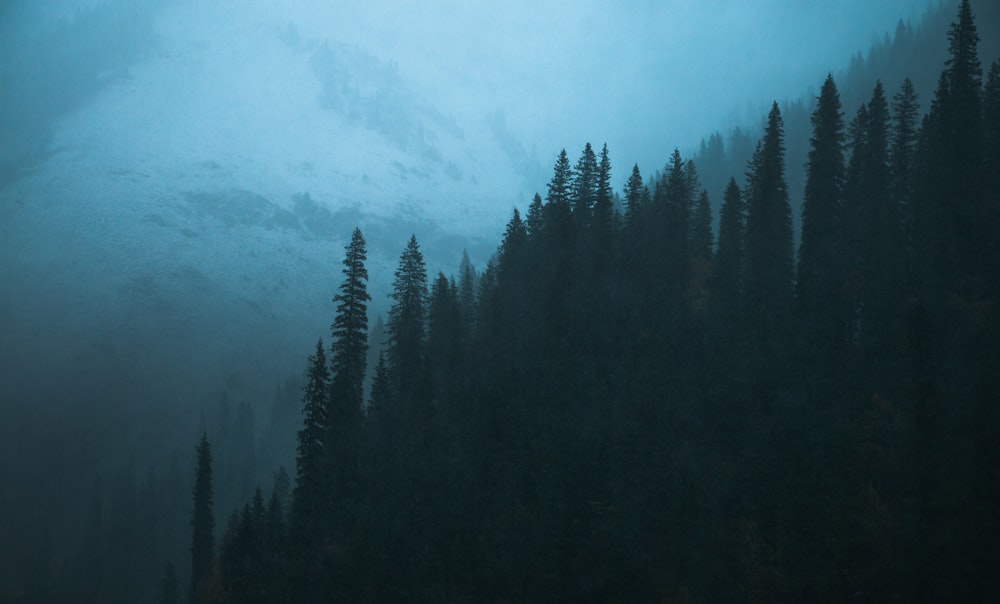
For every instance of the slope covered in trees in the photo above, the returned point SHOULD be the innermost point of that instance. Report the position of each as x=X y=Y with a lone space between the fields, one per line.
x=626 y=405
x=625 y=412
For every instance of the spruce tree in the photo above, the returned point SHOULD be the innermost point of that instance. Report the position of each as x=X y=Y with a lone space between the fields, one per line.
x=821 y=251
x=677 y=196
x=535 y=216
x=602 y=223
x=902 y=151
x=406 y=320
x=882 y=239
x=350 y=337
x=701 y=229
x=513 y=245
x=768 y=276
x=634 y=188
x=584 y=185
x=202 y=522
x=379 y=398
x=726 y=281
x=950 y=208
x=560 y=186
x=309 y=490
x=466 y=291
x=342 y=438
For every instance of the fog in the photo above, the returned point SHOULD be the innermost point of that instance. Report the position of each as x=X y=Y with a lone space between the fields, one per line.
x=150 y=152
x=178 y=179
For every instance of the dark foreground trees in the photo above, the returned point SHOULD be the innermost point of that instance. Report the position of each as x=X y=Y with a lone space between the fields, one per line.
x=621 y=410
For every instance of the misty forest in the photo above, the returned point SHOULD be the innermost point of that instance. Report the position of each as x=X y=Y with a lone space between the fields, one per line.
x=766 y=369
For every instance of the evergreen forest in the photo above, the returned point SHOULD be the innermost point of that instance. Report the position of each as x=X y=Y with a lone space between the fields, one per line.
x=654 y=395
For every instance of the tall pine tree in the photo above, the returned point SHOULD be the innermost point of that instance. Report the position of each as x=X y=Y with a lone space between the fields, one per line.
x=202 y=520
x=768 y=276
x=821 y=251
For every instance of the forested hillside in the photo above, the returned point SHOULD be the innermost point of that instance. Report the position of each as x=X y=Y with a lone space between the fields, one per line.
x=635 y=401
x=914 y=51
x=624 y=410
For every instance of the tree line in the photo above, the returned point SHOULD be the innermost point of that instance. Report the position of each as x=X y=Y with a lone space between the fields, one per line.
x=626 y=405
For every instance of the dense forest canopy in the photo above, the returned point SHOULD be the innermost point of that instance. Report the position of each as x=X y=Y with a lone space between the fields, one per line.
x=663 y=393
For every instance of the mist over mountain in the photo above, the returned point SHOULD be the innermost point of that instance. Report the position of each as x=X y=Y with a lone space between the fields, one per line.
x=179 y=179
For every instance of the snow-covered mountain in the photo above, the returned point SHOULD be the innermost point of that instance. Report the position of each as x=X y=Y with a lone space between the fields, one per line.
x=188 y=224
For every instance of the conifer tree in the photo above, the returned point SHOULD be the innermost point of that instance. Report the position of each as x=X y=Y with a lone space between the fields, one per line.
x=379 y=397
x=466 y=291
x=820 y=269
x=350 y=337
x=310 y=479
x=693 y=186
x=604 y=191
x=406 y=320
x=444 y=334
x=202 y=523
x=561 y=184
x=882 y=260
x=603 y=218
x=535 y=216
x=701 y=228
x=513 y=244
x=768 y=277
x=950 y=207
x=902 y=150
x=584 y=185
x=726 y=281
x=634 y=188
x=342 y=439
x=677 y=196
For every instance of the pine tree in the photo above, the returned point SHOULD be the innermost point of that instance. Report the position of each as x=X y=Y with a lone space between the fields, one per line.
x=633 y=194
x=344 y=417
x=513 y=245
x=406 y=320
x=882 y=239
x=202 y=523
x=467 y=290
x=726 y=281
x=768 y=277
x=902 y=151
x=310 y=480
x=701 y=228
x=350 y=337
x=949 y=211
x=821 y=251
x=561 y=183
x=603 y=205
x=535 y=216
x=584 y=185
x=379 y=397
x=677 y=196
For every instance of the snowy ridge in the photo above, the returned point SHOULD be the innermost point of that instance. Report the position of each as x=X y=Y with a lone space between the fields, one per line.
x=196 y=210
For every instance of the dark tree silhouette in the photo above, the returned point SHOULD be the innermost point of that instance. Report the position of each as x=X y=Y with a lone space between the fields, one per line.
x=768 y=276
x=821 y=269
x=202 y=520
